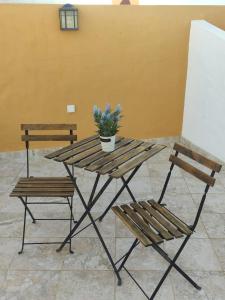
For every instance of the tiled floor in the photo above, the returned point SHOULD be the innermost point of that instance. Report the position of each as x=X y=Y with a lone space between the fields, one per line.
x=41 y=273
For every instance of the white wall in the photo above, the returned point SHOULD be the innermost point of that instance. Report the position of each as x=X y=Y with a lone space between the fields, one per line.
x=204 y=110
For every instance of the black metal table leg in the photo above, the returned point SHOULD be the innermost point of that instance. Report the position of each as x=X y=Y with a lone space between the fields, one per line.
x=87 y=212
x=125 y=185
x=128 y=189
x=70 y=235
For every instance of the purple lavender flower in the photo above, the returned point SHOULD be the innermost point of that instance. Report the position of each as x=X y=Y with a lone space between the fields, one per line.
x=107 y=108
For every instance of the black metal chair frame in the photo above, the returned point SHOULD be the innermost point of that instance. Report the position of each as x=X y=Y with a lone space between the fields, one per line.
x=171 y=261
x=24 y=200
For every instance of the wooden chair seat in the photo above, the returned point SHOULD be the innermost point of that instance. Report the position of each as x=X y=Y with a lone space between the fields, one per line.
x=151 y=222
x=43 y=187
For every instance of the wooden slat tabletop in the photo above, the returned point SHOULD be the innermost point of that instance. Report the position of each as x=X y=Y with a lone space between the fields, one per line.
x=128 y=154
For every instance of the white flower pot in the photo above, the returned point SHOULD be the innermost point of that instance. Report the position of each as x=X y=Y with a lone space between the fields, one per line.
x=108 y=143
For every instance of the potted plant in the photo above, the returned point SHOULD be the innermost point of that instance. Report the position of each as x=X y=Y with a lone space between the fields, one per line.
x=108 y=125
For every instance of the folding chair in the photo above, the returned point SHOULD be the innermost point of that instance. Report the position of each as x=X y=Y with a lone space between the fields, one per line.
x=44 y=186
x=152 y=223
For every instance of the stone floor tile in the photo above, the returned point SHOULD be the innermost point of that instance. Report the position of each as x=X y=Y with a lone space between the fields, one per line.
x=3 y=275
x=89 y=255
x=85 y=285
x=197 y=186
x=219 y=247
x=198 y=255
x=35 y=285
x=85 y=184
x=126 y=198
x=9 y=247
x=214 y=224
x=121 y=230
x=7 y=183
x=45 y=229
x=176 y=185
x=162 y=156
x=138 y=185
x=212 y=283
x=11 y=168
x=10 y=204
x=38 y=257
x=142 y=258
x=214 y=203
x=106 y=227
x=180 y=203
x=161 y=169
x=11 y=224
x=143 y=171
x=148 y=281
x=101 y=204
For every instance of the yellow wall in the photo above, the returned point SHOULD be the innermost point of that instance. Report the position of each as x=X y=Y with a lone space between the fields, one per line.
x=132 y=55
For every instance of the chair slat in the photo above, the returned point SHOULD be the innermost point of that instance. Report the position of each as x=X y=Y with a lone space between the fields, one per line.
x=48 y=126
x=192 y=170
x=141 y=224
x=41 y=194
x=170 y=227
x=132 y=226
x=198 y=157
x=43 y=184
x=178 y=223
x=148 y=218
x=42 y=138
x=43 y=189
x=51 y=179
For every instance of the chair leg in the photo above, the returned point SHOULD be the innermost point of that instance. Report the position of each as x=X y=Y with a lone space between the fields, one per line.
x=27 y=208
x=71 y=222
x=172 y=263
x=24 y=225
x=135 y=243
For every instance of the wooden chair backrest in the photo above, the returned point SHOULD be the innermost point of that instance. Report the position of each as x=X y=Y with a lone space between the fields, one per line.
x=27 y=137
x=212 y=165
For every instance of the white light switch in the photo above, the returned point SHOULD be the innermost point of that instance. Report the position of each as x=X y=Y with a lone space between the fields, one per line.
x=70 y=108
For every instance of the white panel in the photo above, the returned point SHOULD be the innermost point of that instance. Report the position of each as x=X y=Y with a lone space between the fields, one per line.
x=204 y=110
x=182 y=2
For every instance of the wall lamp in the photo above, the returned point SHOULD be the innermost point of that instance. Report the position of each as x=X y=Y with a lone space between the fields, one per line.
x=68 y=16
